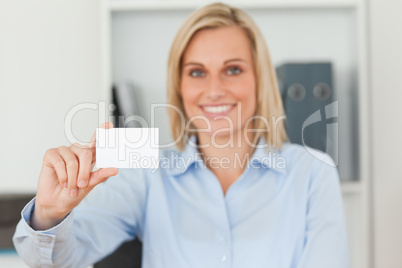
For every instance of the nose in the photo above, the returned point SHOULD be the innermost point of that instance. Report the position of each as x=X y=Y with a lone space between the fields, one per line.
x=215 y=88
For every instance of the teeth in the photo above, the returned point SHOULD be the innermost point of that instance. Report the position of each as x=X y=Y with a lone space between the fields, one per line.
x=217 y=109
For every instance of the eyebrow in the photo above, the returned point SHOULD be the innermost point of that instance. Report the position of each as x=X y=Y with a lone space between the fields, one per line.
x=225 y=62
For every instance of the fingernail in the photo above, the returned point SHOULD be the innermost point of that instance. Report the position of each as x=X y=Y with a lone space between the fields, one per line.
x=82 y=184
x=65 y=185
x=73 y=192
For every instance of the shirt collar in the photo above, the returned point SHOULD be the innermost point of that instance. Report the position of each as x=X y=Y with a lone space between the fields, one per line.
x=190 y=156
x=262 y=157
x=269 y=157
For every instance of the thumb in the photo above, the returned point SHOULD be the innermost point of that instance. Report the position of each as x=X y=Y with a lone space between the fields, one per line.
x=99 y=176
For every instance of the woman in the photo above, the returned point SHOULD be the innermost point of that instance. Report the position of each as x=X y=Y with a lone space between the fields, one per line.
x=236 y=194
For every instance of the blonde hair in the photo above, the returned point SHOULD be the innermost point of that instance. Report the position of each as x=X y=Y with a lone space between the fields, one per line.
x=269 y=102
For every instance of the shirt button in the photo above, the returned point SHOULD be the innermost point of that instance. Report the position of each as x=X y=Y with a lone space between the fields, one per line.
x=224 y=258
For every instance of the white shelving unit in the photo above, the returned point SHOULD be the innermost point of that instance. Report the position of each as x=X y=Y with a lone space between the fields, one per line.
x=338 y=33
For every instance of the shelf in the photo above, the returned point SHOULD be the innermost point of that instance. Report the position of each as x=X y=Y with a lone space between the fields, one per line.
x=134 y=5
x=324 y=29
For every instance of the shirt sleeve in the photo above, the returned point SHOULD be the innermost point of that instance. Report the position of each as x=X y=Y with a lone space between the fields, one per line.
x=326 y=243
x=110 y=215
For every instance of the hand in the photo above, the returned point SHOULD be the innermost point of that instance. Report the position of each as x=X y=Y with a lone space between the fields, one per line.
x=65 y=180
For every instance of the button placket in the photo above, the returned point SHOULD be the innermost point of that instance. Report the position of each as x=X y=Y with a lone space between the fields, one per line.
x=223 y=238
x=224 y=258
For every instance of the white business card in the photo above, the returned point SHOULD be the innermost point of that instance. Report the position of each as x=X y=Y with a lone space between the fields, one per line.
x=127 y=147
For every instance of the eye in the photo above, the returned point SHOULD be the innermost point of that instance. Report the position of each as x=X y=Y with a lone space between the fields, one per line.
x=233 y=70
x=196 y=73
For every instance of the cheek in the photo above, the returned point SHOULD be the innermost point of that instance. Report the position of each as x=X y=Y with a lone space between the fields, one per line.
x=246 y=92
x=190 y=97
x=248 y=108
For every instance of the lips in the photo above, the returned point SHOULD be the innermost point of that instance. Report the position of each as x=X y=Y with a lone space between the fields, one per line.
x=213 y=111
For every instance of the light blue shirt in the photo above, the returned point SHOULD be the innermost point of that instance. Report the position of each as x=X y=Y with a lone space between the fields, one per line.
x=285 y=210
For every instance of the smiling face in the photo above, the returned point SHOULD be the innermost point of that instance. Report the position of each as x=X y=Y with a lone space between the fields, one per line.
x=218 y=80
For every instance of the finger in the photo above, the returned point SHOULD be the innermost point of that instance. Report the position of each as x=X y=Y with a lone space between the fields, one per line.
x=97 y=177
x=92 y=142
x=85 y=162
x=101 y=175
x=72 y=166
x=57 y=163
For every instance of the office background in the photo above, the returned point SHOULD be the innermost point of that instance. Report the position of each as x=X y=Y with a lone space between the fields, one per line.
x=52 y=57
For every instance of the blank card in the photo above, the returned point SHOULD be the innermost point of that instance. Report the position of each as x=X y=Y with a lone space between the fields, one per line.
x=127 y=147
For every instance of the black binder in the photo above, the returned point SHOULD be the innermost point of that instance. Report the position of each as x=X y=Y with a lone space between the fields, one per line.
x=306 y=90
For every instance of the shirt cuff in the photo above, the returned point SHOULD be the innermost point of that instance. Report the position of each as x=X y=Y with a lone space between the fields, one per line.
x=39 y=244
x=60 y=230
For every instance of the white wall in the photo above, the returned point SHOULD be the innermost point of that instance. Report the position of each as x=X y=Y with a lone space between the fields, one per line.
x=49 y=62
x=386 y=81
